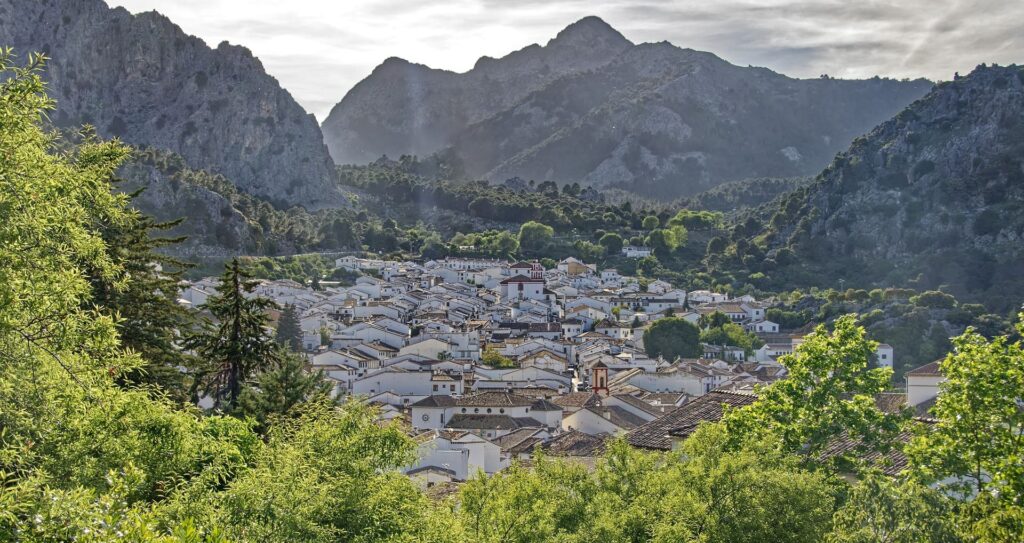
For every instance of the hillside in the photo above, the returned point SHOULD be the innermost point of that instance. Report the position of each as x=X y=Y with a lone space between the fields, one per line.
x=142 y=79
x=652 y=118
x=932 y=198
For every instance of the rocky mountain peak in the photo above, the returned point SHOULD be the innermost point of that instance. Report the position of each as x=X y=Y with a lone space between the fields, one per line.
x=589 y=31
x=144 y=80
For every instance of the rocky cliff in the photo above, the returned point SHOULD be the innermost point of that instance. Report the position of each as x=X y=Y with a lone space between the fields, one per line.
x=142 y=79
x=933 y=197
x=591 y=106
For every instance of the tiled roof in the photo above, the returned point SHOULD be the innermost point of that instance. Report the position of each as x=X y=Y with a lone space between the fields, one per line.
x=575 y=443
x=663 y=398
x=495 y=399
x=618 y=416
x=438 y=469
x=930 y=370
x=891 y=402
x=707 y=408
x=492 y=422
x=514 y=440
x=891 y=463
x=640 y=404
x=577 y=400
x=436 y=401
x=521 y=279
x=545 y=405
x=525 y=446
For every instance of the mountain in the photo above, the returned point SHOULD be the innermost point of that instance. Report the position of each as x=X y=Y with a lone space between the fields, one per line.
x=406 y=108
x=932 y=198
x=142 y=79
x=591 y=106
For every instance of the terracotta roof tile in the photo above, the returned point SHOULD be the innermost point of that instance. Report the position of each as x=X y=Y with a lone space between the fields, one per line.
x=707 y=408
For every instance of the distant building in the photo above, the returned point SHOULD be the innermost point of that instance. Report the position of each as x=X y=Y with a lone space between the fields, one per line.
x=632 y=251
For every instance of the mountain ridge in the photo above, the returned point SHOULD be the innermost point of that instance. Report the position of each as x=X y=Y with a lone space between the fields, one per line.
x=647 y=116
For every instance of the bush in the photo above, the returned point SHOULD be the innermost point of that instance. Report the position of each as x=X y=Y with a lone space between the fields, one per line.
x=934 y=299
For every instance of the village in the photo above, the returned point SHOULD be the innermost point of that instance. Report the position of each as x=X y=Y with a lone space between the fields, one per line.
x=483 y=361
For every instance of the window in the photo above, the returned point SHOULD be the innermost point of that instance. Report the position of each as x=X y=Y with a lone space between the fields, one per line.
x=488 y=409
x=435 y=388
x=463 y=409
x=502 y=410
x=476 y=410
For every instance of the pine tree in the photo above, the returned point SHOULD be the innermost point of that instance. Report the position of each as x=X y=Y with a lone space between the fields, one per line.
x=237 y=345
x=289 y=329
x=143 y=295
x=277 y=391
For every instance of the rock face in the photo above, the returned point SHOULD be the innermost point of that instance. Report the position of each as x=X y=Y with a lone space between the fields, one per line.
x=141 y=78
x=934 y=196
x=405 y=108
x=591 y=106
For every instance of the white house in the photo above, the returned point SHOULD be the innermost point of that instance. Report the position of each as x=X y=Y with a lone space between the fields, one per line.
x=884 y=355
x=632 y=251
x=522 y=287
x=762 y=327
x=923 y=383
x=409 y=386
x=460 y=454
x=431 y=348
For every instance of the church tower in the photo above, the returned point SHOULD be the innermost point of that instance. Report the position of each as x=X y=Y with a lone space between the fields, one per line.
x=599 y=379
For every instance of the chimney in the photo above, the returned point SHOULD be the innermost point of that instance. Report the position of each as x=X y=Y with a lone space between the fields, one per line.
x=607 y=414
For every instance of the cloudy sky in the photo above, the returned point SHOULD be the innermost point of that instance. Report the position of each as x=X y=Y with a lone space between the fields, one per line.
x=318 y=49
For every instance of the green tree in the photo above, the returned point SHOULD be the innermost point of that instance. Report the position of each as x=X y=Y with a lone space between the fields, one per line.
x=143 y=298
x=829 y=392
x=289 y=329
x=880 y=509
x=650 y=223
x=612 y=243
x=237 y=345
x=494 y=359
x=326 y=474
x=680 y=235
x=662 y=241
x=82 y=458
x=715 y=319
x=733 y=496
x=934 y=299
x=534 y=236
x=278 y=391
x=977 y=441
x=671 y=338
x=731 y=334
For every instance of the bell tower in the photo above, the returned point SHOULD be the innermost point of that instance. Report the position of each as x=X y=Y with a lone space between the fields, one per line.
x=536 y=270
x=599 y=378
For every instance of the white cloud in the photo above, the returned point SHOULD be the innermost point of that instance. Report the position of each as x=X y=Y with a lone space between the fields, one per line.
x=318 y=49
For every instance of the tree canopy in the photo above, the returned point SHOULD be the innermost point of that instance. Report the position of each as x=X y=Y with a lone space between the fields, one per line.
x=671 y=338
